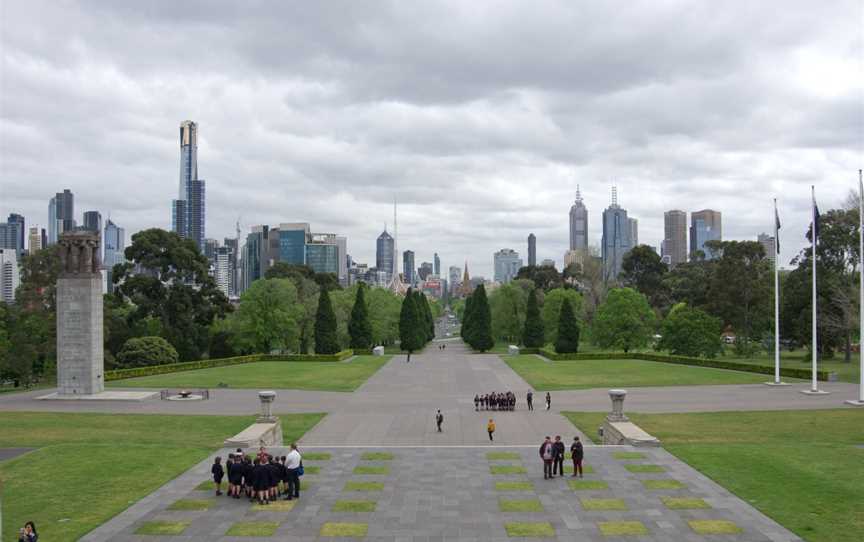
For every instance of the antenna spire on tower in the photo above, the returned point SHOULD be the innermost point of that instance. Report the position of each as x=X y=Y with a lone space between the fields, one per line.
x=614 y=196
x=578 y=194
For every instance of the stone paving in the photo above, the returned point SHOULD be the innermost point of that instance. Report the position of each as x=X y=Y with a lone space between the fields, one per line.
x=450 y=493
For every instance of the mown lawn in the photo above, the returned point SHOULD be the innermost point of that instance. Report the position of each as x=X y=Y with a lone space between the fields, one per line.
x=288 y=375
x=804 y=469
x=799 y=359
x=89 y=467
x=610 y=373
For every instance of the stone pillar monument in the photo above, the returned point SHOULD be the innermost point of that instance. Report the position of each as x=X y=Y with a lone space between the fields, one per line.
x=80 y=365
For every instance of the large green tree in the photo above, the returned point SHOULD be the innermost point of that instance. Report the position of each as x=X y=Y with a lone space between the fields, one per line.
x=167 y=277
x=359 y=327
x=146 y=351
x=467 y=320
x=552 y=302
x=568 y=330
x=481 y=334
x=412 y=327
x=625 y=320
x=268 y=317
x=643 y=270
x=740 y=287
x=326 y=339
x=508 y=304
x=688 y=331
x=545 y=277
x=533 y=336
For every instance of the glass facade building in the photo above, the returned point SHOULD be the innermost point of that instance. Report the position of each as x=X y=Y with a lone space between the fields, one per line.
x=292 y=242
x=705 y=225
x=616 y=239
x=323 y=257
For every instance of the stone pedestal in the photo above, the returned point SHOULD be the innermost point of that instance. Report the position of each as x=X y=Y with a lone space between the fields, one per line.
x=619 y=430
x=80 y=365
x=617 y=414
x=267 y=398
x=266 y=431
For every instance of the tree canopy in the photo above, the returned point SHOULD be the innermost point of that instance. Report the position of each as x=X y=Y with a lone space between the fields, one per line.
x=359 y=328
x=326 y=340
x=688 y=331
x=533 y=336
x=568 y=330
x=625 y=320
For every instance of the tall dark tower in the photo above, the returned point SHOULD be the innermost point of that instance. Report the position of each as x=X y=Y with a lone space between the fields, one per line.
x=578 y=223
x=532 y=250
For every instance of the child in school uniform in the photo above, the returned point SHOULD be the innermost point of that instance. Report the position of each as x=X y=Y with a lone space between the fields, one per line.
x=218 y=472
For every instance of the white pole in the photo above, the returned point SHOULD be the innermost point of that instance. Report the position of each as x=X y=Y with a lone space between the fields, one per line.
x=861 y=284
x=776 y=302
x=813 y=386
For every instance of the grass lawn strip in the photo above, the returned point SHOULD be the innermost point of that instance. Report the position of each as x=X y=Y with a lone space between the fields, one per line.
x=603 y=504
x=503 y=456
x=371 y=470
x=356 y=530
x=191 y=504
x=55 y=481
x=529 y=530
x=713 y=526
x=354 y=506
x=253 y=528
x=377 y=456
x=514 y=486
x=316 y=456
x=684 y=503
x=311 y=469
x=767 y=458
x=580 y=485
x=523 y=505
x=644 y=468
x=622 y=528
x=628 y=455
x=663 y=484
x=363 y=486
x=274 y=506
x=292 y=375
x=206 y=485
x=162 y=527
x=507 y=469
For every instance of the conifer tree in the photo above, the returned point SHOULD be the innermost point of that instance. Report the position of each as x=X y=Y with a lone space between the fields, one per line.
x=482 y=327
x=411 y=328
x=468 y=320
x=326 y=340
x=568 y=330
x=533 y=335
x=359 y=327
x=427 y=317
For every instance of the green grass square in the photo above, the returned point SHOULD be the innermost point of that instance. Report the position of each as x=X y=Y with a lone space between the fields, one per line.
x=311 y=469
x=191 y=504
x=628 y=455
x=503 y=456
x=603 y=504
x=684 y=503
x=274 y=506
x=162 y=527
x=584 y=485
x=206 y=485
x=514 y=486
x=354 y=506
x=368 y=469
x=645 y=468
x=620 y=528
x=316 y=456
x=507 y=469
x=253 y=528
x=533 y=530
x=586 y=469
x=305 y=484
x=377 y=456
x=358 y=530
x=663 y=484
x=519 y=505
x=714 y=526
x=363 y=486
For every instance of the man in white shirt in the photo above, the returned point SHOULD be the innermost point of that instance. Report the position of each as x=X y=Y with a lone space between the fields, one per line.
x=292 y=462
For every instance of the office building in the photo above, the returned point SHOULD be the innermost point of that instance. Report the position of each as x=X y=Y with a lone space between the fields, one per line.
x=576 y=257
x=223 y=270
x=188 y=211
x=634 y=231
x=233 y=243
x=705 y=225
x=61 y=215
x=35 y=241
x=196 y=215
x=18 y=231
x=454 y=275
x=10 y=276
x=532 y=250
x=114 y=247
x=385 y=259
x=437 y=261
x=578 y=224
x=507 y=264
x=92 y=221
x=342 y=255
x=210 y=246
x=293 y=237
x=9 y=236
x=256 y=254
x=322 y=253
x=616 y=238
x=408 y=267
x=674 y=245
x=547 y=262
x=426 y=270
x=769 y=244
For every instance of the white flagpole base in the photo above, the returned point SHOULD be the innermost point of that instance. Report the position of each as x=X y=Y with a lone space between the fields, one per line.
x=815 y=392
x=854 y=402
x=781 y=383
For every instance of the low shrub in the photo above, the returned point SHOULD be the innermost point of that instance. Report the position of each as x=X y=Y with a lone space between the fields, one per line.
x=146 y=351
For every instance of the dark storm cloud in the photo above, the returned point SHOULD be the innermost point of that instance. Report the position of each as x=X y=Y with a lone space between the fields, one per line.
x=480 y=117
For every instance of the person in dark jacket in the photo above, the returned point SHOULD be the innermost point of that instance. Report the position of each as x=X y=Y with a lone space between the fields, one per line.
x=548 y=400
x=28 y=533
x=439 y=419
x=530 y=399
x=248 y=478
x=558 y=456
x=218 y=473
x=476 y=403
x=577 y=453
x=546 y=454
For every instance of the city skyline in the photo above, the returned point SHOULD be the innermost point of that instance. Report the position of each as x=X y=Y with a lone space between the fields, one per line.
x=502 y=146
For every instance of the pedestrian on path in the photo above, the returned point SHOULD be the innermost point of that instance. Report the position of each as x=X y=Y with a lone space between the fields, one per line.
x=439 y=419
x=546 y=454
x=548 y=400
x=476 y=403
x=558 y=456
x=577 y=452
x=530 y=398
x=490 y=428
x=218 y=472
x=293 y=463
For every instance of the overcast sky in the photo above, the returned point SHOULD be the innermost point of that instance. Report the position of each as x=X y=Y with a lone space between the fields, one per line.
x=480 y=117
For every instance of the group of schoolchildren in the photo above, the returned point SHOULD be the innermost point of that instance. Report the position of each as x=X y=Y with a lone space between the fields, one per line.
x=263 y=478
x=495 y=401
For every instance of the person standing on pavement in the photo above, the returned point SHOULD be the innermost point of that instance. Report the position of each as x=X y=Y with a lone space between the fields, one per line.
x=439 y=419
x=476 y=403
x=530 y=398
x=546 y=454
x=558 y=456
x=577 y=452
x=292 y=463
x=548 y=400
x=490 y=428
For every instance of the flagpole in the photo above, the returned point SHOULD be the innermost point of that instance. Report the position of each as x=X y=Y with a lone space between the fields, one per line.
x=860 y=401
x=814 y=387
x=776 y=381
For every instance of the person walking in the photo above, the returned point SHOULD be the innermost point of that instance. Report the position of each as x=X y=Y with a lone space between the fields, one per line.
x=439 y=419
x=490 y=428
x=548 y=400
x=218 y=472
x=546 y=454
x=293 y=462
x=558 y=456
x=577 y=452
x=530 y=398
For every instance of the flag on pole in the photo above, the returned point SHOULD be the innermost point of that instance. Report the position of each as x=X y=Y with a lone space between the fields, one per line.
x=816 y=219
x=776 y=229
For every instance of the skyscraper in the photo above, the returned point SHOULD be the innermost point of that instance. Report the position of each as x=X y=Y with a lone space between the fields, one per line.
x=17 y=221
x=115 y=245
x=322 y=253
x=342 y=254
x=437 y=261
x=234 y=244
x=293 y=237
x=705 y=225
x=9 y=274
x=92 y=221
x=385 y=259
x=61 y=215
x=674 y=237
x=35 y=241
x=188 y=156
x=196 y=212
x=634 y=231
x=616 y=238
x=454 y=275
x=188 y=211
x=408 y=267
x=507 y=264
x=769 y=244
x=223 y=270
x=426 y=269
x=578 y=223
x=532 y=249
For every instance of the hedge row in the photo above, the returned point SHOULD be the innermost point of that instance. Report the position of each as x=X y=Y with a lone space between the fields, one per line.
x=119 y=374
x=789 y=372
